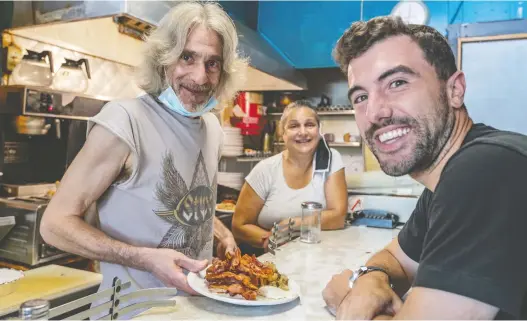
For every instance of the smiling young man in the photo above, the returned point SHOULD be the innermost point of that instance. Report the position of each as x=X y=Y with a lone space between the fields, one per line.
x=462 y=250
x=150 y=163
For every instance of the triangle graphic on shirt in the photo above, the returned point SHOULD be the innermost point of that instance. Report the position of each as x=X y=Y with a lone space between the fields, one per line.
x=189 y=210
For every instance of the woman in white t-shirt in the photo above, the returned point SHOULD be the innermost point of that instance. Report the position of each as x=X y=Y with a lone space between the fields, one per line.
x=277 y=186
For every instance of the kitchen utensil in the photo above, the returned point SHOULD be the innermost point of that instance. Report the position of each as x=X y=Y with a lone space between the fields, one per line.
x=71 y=78
x=310 y=226
x=267 y=137
x=57 y=128
x=33 y=70
x=13 y=54
x=285 y=99
x=348 y=138
x=329 y=137
x=325 y=101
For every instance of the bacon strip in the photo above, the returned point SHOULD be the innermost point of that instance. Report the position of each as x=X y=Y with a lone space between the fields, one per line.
x=237 y=274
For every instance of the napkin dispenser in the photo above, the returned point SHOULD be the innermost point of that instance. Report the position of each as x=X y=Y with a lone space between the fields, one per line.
x=373 y=218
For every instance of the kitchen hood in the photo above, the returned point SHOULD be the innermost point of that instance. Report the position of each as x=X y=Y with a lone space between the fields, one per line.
x=112 y=30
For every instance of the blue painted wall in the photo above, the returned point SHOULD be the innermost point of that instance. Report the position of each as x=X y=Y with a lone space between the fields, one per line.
x=245 y=12
x=306 y=31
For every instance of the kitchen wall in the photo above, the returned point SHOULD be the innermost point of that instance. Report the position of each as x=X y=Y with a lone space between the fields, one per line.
x=329 y=81
x=495 y=71
x=332 y=83
x=109 y=79
x=245 y=12
x=313 y=27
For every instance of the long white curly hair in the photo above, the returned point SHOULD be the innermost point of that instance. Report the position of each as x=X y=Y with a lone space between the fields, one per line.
x=165 y=45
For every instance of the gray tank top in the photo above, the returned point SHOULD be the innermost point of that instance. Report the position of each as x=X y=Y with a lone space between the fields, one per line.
x=169 y=199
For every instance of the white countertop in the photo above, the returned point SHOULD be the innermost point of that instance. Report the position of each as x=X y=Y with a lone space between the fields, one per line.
x=310 y=265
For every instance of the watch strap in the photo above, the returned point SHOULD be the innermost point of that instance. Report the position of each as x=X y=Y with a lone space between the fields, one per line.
x=367 y=269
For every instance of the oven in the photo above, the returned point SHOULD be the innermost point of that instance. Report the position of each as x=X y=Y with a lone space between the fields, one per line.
x=23 y=243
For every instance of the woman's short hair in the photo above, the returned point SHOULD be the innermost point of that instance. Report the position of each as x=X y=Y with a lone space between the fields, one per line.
x=165 y=45
x=296 y=105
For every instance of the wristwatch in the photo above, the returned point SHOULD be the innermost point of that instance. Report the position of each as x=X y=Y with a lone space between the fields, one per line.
x=367 y=269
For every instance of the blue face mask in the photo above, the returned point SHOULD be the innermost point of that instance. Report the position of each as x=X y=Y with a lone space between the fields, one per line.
x=171 y=100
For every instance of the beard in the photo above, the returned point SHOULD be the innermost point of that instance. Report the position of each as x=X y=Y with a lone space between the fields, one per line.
x=205 y=90
x=432 y=132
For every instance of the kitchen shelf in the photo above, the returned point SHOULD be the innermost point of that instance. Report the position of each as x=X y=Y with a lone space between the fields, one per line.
x=350 y=144
x=326 y=113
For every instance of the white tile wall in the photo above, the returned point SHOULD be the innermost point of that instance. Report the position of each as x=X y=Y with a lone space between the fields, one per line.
x=109 y=79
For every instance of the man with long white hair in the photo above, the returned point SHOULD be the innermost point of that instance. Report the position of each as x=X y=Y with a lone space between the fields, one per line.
x=149 y=164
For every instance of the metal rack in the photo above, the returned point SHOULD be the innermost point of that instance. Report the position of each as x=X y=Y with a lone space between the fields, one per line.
x=111 y=309
x=282 y=234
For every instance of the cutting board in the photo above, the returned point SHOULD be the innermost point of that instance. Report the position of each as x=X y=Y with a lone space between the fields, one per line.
x=48 y=282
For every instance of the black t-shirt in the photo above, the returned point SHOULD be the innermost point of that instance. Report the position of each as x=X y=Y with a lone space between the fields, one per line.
x=470 y=235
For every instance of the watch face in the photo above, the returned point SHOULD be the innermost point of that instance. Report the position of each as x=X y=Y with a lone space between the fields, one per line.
x=413 y=12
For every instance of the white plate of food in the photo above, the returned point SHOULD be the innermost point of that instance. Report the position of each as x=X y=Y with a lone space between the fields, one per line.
x=227 y=206
x=226 y=282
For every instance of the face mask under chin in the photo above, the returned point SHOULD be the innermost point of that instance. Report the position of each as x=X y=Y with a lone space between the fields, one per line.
x=171 y=100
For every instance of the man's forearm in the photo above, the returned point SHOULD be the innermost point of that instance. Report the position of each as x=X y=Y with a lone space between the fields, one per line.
x=74 y=235
x=220 y=230
x=385 y=260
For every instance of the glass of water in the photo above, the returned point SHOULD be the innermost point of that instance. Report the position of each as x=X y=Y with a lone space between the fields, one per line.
x=310 y=227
